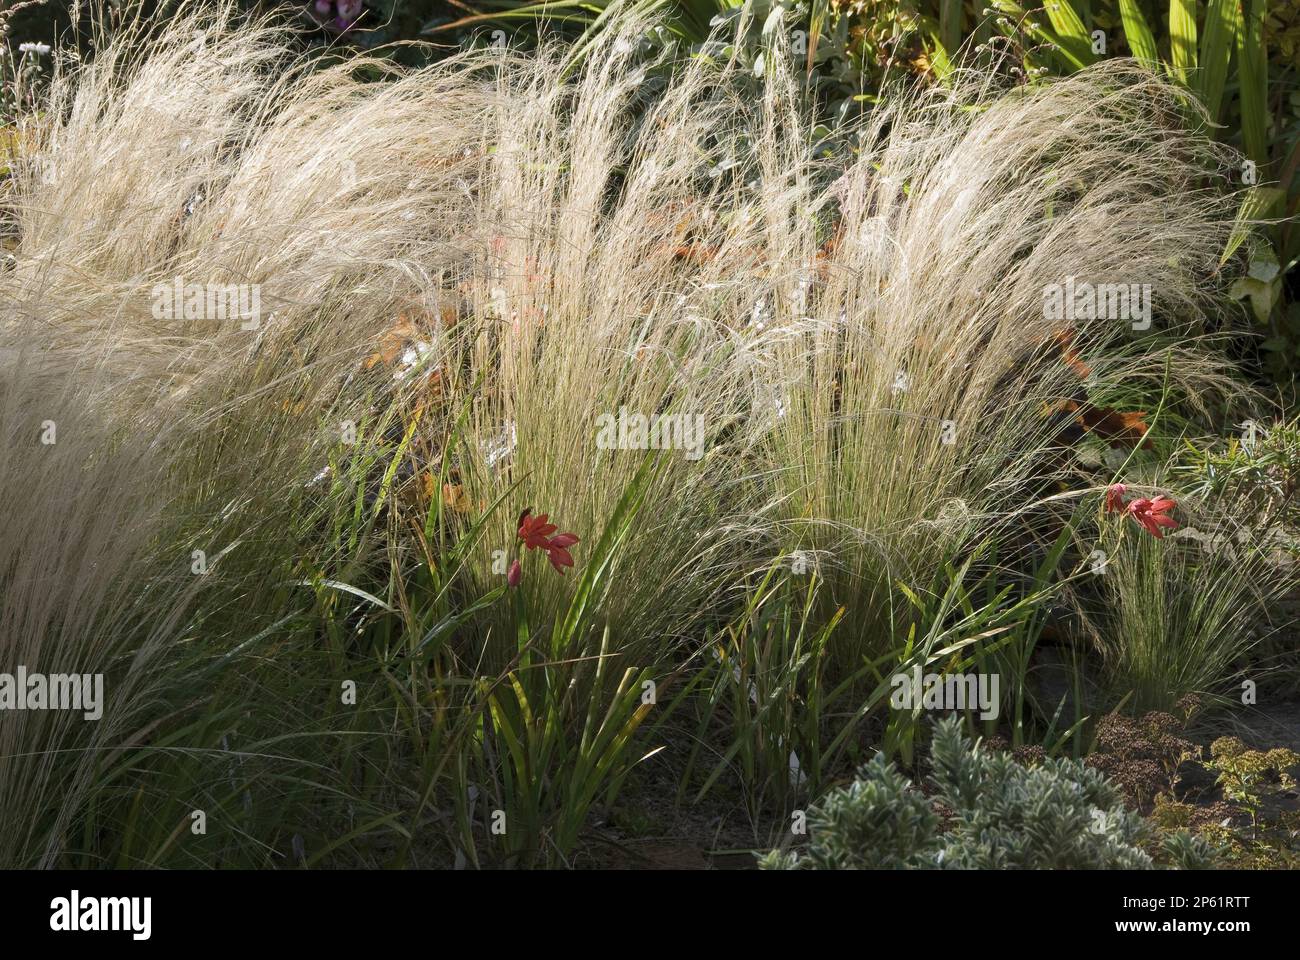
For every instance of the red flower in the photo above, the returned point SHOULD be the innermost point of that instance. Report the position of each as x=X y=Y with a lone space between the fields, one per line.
x=515 y=574
x=1115 y=498
x=559 y=552
x=536 y=532
x=1152 y=515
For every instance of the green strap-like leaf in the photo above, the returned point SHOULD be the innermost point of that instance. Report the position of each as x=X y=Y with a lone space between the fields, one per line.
x=1216 y=51
x=1254 y=81
x=1138 y=34
x=1071 y=35
x=1182 y=37
x=1258 y=204
x=940 y=53
x=950 y=25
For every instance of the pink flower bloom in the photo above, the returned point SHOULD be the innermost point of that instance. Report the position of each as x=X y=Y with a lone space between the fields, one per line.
x=1115 y=498
x=349 y=12
x=1152 y=514
x=515 y=574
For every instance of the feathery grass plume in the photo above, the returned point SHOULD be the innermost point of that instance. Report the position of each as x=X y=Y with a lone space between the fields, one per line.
x=201 y=160
x=80 y=515
x=609 y=292
x=931 y=383
x=869 y=347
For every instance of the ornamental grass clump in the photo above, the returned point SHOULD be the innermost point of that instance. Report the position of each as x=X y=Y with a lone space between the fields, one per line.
x=287 y=342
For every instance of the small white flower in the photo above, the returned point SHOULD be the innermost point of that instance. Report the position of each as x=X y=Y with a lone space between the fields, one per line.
x=40 y=49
